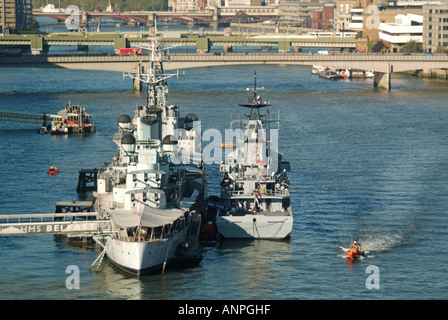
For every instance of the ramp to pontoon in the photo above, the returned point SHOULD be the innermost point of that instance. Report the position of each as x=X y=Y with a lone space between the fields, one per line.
x=27 y=117
x=52 y=223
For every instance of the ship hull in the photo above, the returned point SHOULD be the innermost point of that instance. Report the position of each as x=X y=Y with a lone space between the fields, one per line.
x=259 y=226
x=140 y=258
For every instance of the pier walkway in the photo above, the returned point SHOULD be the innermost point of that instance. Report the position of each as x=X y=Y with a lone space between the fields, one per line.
x=27 y=117
x=52 y=223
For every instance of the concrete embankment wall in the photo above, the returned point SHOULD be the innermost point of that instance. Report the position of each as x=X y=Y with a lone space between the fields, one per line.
x=431 y=73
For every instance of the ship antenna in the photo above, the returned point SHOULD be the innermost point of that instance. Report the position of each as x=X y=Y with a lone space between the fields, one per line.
x=255 y=84
x=257 y=101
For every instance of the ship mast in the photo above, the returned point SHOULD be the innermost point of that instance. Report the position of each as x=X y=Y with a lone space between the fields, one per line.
x=256 y=103
x=155 y=76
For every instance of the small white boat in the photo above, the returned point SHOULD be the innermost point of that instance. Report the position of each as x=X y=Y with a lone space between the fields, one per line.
x=369 y=74
x=317 y=69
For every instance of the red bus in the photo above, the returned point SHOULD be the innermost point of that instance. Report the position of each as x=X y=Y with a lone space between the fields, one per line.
x=130 y=52
x=10 y=52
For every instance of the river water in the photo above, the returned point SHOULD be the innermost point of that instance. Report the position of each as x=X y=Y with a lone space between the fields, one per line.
x=366 y=163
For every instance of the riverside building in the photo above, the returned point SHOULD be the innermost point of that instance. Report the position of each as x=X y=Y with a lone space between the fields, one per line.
x=435 y=26
x=15 y=15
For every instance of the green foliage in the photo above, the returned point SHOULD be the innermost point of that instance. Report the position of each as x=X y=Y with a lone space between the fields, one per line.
x=117 y=5
x=412 y=46
x=376 y=45
x=441 y=49
x=241 y=16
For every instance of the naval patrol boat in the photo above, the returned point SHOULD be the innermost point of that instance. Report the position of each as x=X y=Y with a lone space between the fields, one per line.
x=152 y=189
x=254 y=199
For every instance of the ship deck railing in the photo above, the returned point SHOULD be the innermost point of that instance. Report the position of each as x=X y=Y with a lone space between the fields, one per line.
x=53 y=223
x=243 y=193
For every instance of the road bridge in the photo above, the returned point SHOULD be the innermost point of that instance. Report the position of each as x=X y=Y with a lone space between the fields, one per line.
x=128 y=16
x=40 y=43
x=148 y=17
x=383 y=65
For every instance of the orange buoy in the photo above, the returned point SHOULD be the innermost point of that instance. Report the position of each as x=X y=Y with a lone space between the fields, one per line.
x=208 y=230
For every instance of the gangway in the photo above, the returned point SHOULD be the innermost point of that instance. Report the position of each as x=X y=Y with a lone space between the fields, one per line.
x=53 y=223
x=28 y=117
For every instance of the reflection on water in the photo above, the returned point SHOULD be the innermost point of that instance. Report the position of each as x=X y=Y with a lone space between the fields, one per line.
x=116 y=284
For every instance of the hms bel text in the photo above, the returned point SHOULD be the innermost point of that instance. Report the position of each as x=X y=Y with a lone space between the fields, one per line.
x=237 y=309
x=63 y=227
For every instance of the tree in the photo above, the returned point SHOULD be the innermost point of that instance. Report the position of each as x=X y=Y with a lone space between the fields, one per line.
x=412 y=46
x=241 y=16
x=441 y=49
x=376 y=45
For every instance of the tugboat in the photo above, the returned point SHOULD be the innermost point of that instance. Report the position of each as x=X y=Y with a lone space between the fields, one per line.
x=254 y=199
x=152 y=198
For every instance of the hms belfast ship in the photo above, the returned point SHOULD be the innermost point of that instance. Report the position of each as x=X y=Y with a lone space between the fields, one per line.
x=150 y=189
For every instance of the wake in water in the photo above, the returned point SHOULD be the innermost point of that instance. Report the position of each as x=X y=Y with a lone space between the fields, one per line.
x=373 y=245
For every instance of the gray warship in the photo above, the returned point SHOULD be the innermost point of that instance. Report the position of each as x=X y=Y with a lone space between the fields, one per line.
x=254 y=200
x=151 y=189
